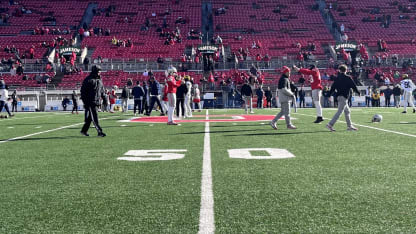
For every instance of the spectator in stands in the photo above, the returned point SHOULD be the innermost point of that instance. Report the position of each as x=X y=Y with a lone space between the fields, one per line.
x=65 y=103
x=13 y=70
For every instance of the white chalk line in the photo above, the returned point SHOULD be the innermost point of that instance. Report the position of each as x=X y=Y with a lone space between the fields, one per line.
x=206 y=214
x=51 y=130
x=370 y=127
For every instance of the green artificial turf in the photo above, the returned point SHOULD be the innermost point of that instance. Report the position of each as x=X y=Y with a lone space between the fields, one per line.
x=340 y=182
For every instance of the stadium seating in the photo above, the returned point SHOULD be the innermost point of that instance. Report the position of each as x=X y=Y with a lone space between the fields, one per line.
x=278 y=37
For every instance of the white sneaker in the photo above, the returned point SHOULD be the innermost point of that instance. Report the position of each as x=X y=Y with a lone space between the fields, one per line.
x=291 y=127
x=251 y=112
x=273 y=124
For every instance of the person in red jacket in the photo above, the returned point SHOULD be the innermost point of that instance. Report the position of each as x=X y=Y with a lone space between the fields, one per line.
x=165 y=99
x=63 y=62
x=173 y=81
x=316 y=88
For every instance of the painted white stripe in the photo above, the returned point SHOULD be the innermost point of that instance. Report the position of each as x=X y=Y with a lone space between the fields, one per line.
x=206 y=214
x=365 y=126
x=33 y=117
x=51 y=130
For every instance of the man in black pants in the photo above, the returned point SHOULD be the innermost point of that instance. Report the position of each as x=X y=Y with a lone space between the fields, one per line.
x=74 y=102
x=138 y=94
x=91 y=92
x=180 y=97
x=154 y=92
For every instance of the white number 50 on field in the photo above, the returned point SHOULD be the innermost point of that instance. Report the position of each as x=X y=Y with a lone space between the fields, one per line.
x=153 y=155
x=272 y=153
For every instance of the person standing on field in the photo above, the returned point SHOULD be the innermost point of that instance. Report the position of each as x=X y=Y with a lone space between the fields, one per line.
x=247 y=95
x=285 y=97
x=92 y=90
x=343 y=84
x=316 y=88
x=408 y=86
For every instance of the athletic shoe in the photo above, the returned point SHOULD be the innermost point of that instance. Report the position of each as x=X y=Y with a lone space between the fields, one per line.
x=352 y=128
x=318 y=120
x=291 y=127
x=273 y=124
x=330 y=128
x=135 y=114
x=172 y=123
x=84 y=133
x=162 y=114
x=404 y=112
x=414 y=111
x=251 y=112
x=101 y=134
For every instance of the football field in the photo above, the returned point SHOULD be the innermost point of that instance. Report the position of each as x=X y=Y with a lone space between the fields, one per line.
x=223 y=171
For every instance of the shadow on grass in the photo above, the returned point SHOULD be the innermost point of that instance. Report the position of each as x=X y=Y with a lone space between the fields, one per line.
x=47 y=138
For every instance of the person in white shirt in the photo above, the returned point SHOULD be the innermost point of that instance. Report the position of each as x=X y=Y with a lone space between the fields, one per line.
x=408 y=86
x=4 y=98
x=188 y=97
x=197 y=98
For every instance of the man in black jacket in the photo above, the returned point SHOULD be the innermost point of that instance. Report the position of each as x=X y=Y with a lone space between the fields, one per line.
x=343 y=84
x=91 y=92
x=180 y=97
x=154 y=93
x=247 y=95
x=397 y=91
x=138 y=94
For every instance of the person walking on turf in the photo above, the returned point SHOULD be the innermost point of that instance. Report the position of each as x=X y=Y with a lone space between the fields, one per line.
x=92 y=91
x=154 y=94
x=408 y=86
x=342 y=85
x=74 y=102
x=285 y=97
x=316 y=86
x=14 y=101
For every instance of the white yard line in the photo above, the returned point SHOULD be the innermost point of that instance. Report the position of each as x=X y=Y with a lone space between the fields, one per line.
x=206 y=214
x=365 y=126
x=51 y=130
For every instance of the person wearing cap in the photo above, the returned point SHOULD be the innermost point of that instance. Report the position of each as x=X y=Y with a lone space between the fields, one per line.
x=316 y=88
x=247 y=95
x=343 y=84
x=408 y=86
x=92 y=90
x=285 y=97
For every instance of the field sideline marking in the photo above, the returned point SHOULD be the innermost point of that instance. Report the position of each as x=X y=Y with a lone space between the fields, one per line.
x=51 y=130
x=365 y=126
x=33 y=117
x=206 y=213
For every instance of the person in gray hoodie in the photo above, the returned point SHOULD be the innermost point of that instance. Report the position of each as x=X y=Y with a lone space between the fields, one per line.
x=285 y=97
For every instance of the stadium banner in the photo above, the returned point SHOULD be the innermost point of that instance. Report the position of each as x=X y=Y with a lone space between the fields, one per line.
x=347 y=46
x=67 y=50
x=208 y=49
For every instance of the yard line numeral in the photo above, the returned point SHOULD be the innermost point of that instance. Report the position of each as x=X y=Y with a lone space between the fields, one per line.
x=272 y=153
x=153 y=155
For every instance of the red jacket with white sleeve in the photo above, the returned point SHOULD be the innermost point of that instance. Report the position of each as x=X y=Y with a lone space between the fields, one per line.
x=172 y=84
x=316 y=83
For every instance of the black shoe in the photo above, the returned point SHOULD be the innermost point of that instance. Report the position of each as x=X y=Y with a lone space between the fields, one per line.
x=84 y=133
x=162 y=114
x=318 y=120
x=101 y=134
x=414 y=111
x=404 y=112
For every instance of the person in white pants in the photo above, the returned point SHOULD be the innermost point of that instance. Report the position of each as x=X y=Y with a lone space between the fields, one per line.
x=188 y=97
x=316 y=86
x=408 y=86
x=197 y=98
x=173 y=81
